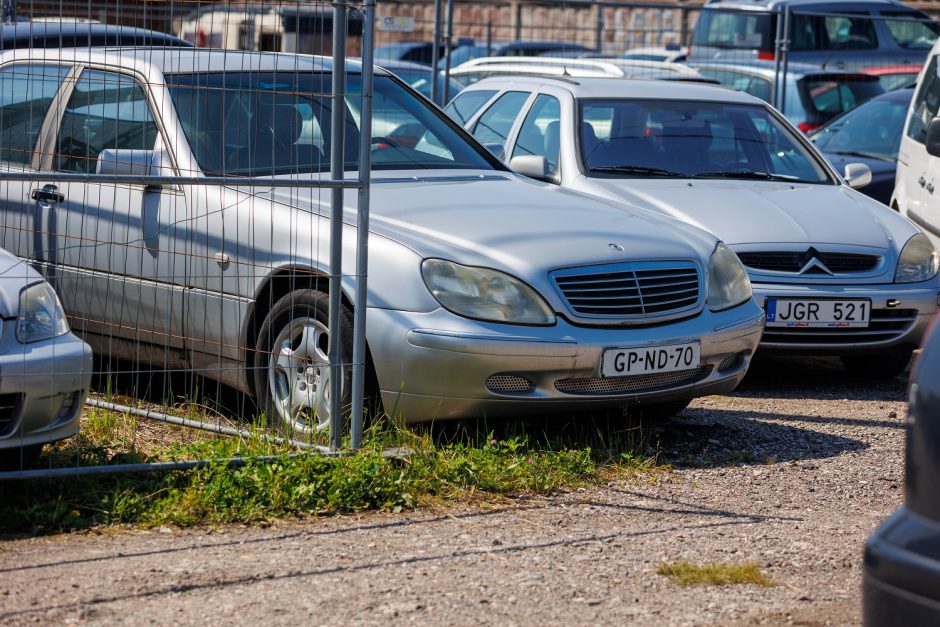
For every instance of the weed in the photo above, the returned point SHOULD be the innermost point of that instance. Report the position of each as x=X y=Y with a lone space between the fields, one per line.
x=686 y=574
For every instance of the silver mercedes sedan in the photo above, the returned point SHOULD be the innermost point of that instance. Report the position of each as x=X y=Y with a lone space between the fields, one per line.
x=489 y=293
x=45 y=371
x=837 y=272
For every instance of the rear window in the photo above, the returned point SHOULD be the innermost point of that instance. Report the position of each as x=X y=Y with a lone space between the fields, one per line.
x=735 y=29
x=830 y=95
x=833 y=32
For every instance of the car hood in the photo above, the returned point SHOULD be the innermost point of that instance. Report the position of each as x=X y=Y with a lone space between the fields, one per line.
x=14 y=276
x=512 y=223
x=747 y=212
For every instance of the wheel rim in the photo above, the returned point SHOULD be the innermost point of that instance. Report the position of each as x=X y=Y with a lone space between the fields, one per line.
x=299 y=375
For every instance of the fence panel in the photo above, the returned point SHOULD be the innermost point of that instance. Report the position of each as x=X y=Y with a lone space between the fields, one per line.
x=169 y=214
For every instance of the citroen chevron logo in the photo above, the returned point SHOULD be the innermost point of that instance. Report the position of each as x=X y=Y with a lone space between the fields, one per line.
x=812 y=264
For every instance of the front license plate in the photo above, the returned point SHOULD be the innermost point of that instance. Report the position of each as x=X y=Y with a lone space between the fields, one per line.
x=818 y=313
x=622 y=362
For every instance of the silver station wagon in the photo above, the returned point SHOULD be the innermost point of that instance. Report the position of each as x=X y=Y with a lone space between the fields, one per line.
x=837 y=272
x=489 y=293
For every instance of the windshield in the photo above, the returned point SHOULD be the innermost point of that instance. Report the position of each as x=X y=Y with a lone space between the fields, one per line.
x=870 y=130
x=270 y=123
x=688 y=139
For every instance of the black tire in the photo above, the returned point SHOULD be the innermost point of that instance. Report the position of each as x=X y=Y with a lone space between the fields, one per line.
x=20 y=458
x=880 y=366
x=659 y=411
x=287 y=326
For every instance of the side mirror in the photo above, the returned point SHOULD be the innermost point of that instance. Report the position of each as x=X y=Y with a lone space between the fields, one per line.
x=126 y=162
x=534 y=166
x=857 y=175
x=933 y=138
x=497 y=150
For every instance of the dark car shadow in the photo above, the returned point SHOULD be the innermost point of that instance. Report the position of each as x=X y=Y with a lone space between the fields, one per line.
x=816 y=377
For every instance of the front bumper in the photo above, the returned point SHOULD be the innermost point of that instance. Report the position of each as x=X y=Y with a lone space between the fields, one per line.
x=900 y=316
x=901 y=584
x=440 y=366
x=43 y=386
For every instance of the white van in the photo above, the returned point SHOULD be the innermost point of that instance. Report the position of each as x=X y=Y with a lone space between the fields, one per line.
x=917 y=185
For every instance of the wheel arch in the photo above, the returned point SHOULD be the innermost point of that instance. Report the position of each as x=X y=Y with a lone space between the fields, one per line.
x=277 y=285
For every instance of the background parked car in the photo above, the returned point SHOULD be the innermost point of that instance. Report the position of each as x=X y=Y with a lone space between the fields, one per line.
x=483 y=300
x=468 y=51
x=419 y=77
x=477 y=69
x=673 y=53
x=46 y=370
x=870 y=134
x=918 y=172
x=811 y=96
x=901 y=585
x=70 y=34
x=895 y=76
x=411 y=51
x=838 y=273
x=862 y=33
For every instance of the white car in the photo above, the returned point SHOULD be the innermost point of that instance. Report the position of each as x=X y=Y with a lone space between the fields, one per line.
x=837 y=272
x=918 y=175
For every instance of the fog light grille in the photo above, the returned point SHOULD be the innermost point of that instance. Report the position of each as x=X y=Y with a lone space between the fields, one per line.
x=729 y=362
x=68 y=405
x=9 y=412
x=509 y=384
x=631 y=384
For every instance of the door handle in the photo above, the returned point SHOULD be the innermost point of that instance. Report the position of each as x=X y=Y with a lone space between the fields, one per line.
x=921 y=181
x=48 y=194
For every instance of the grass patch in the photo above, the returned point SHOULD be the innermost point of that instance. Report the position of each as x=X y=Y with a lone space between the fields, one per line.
x=687 y=574
x=439 y=464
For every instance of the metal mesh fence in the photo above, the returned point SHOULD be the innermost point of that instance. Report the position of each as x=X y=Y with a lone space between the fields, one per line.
x=181 y=233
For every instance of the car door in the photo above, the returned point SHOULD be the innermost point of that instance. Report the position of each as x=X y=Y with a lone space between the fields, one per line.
x=118 y=251
x=917 y=176
x=27 y=92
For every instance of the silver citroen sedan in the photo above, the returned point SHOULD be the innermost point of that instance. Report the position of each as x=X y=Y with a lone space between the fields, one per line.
x=489 y=293
x=837 y=272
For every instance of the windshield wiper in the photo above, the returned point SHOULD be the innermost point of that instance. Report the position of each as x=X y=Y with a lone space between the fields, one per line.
x=746 y=174
x=863 y=155
x=635 y=169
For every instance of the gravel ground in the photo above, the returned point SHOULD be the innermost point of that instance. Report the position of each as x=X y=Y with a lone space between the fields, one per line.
x=792 y=472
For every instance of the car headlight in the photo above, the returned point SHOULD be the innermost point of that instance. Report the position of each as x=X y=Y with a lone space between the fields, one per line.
x=484 y=294
x=41 y=316
x=918 y=261
x=728 y=283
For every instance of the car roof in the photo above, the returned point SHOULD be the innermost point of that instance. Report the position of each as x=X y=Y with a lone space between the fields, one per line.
x=398 y=64
x=25 y=32
x=769 y=68
x=895 y=95
x=172 y=60
x=619 y=88
x=778 y=5
x=568 y=65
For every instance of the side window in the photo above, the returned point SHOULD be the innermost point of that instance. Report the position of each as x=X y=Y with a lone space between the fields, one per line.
x=493 y=126
x=106 y=110
x=465 y=105
x=833 y=32
x=925 y=105
x=26 y=91
x=759 y=88
x=912 y=31
x=541 y=133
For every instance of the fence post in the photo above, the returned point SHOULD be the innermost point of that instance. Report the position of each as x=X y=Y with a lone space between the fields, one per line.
x=684 y=26
x=435 y=51
x=785 y=51
x=338 y=124
x=778 y=54
x=599 y=28
x=362 y=225
x=449 y=37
